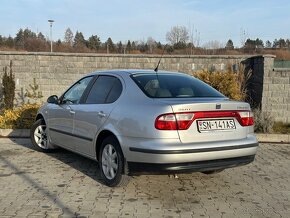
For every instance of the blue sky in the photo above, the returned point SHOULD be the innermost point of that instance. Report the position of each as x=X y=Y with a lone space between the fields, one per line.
x=137 y=20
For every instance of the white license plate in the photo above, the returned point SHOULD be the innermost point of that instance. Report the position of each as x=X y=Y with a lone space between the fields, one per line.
x=214 y=125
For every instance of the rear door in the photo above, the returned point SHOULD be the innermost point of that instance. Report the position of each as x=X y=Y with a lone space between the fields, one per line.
x=94 y=111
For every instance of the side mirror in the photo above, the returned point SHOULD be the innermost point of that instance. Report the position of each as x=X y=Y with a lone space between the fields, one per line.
x=52 y=99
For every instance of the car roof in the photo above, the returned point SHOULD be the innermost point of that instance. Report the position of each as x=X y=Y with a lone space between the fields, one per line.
x=132 y=72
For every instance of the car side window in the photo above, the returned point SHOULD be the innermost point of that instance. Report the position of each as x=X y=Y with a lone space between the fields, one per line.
x=74 y=94
x=105 y=90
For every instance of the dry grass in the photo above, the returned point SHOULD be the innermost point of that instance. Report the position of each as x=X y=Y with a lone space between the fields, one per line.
x=282 y=128
x=263 y=121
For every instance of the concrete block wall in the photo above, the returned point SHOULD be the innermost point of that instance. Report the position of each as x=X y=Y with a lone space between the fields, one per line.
x=276 y=93
x=54 y=72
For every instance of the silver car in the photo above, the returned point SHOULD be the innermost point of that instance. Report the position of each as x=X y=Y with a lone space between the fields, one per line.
x=140 y=121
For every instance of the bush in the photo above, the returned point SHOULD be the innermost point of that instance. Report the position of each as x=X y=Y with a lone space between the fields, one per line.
x=263 y=121
x=226 y=82
x=19 y=118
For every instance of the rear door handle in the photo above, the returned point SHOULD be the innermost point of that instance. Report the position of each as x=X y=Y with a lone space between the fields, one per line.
x=72 y=112
x=102 y=114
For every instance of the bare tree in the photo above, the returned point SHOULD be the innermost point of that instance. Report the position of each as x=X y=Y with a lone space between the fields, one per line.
x=68 y=36
x=177 y=34
x=151 y=44
x=215 y=44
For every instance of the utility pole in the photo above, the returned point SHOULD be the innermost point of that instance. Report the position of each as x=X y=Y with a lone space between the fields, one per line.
x=50 y=22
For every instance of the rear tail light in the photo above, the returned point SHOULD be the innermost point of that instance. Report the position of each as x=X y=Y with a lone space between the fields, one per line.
x=182 y=121
x=246 y=118
x=179 y=121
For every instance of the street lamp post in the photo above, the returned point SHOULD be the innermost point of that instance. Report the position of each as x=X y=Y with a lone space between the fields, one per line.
x=50 y=22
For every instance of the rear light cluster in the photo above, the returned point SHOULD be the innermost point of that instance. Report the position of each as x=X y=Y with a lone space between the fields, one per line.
x=182 y=121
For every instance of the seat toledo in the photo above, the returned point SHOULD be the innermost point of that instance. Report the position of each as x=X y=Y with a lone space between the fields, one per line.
x=140 y=121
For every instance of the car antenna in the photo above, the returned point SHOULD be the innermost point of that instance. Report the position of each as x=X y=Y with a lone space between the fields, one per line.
x=156 y=69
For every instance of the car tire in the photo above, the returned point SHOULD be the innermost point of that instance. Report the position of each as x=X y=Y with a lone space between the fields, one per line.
x=210 y=172
x=38 y=136
x=112 y=164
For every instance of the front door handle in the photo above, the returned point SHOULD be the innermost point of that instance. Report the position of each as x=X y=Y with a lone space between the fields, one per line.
x=102 y=114
x=72 y=112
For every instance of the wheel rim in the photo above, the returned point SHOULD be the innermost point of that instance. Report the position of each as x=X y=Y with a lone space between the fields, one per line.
x=40 y=136
x=109 y=161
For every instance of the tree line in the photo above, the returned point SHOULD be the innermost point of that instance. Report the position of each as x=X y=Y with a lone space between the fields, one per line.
x=27 y=40
x=179 y=41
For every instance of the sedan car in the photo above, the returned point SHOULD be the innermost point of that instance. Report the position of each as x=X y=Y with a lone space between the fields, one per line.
x=141 y=121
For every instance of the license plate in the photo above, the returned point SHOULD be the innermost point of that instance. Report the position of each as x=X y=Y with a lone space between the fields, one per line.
x=215 y=125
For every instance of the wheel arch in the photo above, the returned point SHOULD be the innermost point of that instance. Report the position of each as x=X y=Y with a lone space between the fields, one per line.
x=39 y=116
x=100 y=138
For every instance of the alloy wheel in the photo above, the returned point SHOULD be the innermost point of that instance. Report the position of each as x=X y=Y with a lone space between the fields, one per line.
x=40 y=136
x=109 y=161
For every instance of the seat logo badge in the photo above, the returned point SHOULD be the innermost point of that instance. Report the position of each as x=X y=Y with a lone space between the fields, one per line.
x=218 y=106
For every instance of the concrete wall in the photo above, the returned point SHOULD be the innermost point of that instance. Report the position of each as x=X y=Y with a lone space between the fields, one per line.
x=276 y=93
x=54 y=72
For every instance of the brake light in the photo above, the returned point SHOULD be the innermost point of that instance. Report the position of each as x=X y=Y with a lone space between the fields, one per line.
x=182 y=121
x=246 y=118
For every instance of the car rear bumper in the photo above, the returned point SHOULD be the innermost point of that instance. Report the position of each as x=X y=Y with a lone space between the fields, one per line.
x=199 y=166
x=171 y=151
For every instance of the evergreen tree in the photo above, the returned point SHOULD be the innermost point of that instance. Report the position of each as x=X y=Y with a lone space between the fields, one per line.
x=34 y=92
x=230 y=45
x=120 y=47
x=288 y=43
x=250 y=44
x=68 y=37
x=268 y=44
x=159 y=45
x=129 y=47
x=9 y=42
x=8 y=88
x=27 y=33
x=94 y=42
x=19 y=39
x=79 y=40
x=259 y=43
x=58 y=42
x=110 y=45
x=275 y=44
x=24 y=37
x=282 y=43
x=1 y=40
x=133 y=46
x=143 y=47
x=41 y=36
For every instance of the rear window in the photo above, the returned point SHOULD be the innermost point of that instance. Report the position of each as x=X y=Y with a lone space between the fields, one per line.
x=173 y=86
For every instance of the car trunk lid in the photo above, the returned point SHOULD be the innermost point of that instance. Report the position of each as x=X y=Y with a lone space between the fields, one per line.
x=214 y=119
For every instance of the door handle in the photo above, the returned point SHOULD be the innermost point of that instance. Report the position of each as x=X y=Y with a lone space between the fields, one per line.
x=102 y=114
x=72 y=112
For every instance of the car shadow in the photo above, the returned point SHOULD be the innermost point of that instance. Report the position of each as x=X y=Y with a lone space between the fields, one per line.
x=82 y=164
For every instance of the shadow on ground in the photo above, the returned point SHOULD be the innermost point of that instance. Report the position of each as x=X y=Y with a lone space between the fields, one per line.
x=84 y=165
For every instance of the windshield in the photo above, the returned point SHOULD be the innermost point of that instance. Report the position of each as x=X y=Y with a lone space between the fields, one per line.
x=173 y=86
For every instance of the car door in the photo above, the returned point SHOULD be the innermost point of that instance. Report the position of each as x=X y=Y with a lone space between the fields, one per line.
x=61 y=116
x=95 y=110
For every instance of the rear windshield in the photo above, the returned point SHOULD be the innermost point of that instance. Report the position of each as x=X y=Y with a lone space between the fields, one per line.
x=173 y=86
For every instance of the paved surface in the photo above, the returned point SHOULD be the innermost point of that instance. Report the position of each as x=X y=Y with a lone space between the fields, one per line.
x=63 y=184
